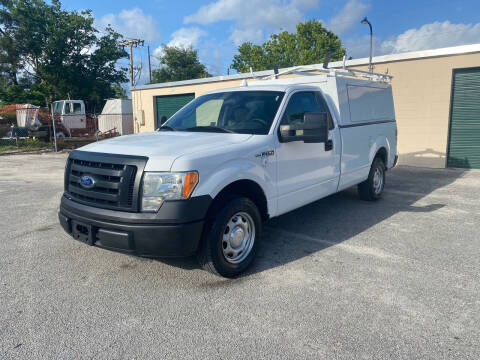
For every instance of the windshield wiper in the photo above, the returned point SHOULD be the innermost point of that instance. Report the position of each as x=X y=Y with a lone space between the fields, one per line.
x=210 y=128
x=166 y=128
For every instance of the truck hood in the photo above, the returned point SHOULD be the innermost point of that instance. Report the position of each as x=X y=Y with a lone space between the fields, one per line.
x=164 y=147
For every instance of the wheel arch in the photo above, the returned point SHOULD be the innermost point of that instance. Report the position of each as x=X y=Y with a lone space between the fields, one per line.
x=381 y=148
x=382 y=154
x=243 y=187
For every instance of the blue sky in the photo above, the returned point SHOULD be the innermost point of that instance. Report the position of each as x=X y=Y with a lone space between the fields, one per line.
x=216 y=27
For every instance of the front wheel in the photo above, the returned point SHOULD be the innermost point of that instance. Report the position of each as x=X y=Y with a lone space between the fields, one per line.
x=372 y=188
x=231 y=238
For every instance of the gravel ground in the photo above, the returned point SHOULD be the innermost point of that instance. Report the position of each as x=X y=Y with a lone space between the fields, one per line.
x=337 y=279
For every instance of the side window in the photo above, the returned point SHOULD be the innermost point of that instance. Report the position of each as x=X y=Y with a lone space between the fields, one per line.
x=303 y=102
x=68 y=109
x=57 y=108
x=324 y=108
x=77 y=108
x=299 y=104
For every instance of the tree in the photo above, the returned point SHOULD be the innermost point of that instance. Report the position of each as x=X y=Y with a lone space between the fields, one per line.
x=120 y=92
x=177 y=64
x=58 y=52
x=308 y=45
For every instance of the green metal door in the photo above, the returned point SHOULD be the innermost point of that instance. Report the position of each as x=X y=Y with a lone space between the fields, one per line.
x=169 y=104
x=464 y=137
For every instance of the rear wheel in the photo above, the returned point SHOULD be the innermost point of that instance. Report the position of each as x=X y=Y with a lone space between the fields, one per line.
x=372 y=188
x=231 y=238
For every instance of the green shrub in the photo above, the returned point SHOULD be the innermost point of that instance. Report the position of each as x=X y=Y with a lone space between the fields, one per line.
x=22 y=144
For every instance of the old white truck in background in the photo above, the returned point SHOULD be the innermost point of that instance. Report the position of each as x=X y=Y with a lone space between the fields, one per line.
x=229 y=160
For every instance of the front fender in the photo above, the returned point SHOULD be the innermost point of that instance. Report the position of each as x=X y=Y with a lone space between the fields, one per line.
x=217 y=178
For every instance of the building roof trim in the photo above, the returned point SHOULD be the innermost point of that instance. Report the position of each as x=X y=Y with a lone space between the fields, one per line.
x=449 y=51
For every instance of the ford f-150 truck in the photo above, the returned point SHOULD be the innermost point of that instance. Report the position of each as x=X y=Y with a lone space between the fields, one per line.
x=229 y=160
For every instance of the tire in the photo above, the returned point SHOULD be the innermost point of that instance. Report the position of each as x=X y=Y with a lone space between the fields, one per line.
x=231 y=238
x=372 y=188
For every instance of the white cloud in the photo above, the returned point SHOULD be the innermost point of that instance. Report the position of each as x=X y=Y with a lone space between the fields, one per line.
x=253 y=17
x=350 y=15
x=183 y=38
x=133 y=23
x=186 y=37
x=158 y=52
x=429 y=36
x=433 y=36
x=243 y=34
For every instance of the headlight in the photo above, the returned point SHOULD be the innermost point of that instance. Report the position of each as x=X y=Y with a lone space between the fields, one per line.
x=161 y=186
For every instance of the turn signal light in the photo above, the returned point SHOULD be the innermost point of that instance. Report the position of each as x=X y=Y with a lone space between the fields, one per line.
x=191 y=180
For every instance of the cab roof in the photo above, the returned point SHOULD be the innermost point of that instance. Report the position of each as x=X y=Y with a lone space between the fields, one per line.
x=274 y=87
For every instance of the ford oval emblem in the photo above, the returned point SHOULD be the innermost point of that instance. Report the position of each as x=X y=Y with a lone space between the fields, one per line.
x=87 y=181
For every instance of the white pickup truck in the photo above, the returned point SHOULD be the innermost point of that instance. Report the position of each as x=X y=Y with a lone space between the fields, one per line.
x=206 y=180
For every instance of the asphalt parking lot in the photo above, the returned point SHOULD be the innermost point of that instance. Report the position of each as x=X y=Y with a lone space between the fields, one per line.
x=337 y=279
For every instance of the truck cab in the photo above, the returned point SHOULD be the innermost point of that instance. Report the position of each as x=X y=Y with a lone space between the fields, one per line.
x=228 y=161
x=71 y=113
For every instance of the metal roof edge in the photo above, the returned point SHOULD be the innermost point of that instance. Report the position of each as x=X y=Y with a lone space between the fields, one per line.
x=422 y=54
x=455 y=50
x=240 y=76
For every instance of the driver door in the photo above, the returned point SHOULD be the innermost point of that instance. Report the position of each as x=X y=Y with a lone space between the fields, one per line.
x=306 y=171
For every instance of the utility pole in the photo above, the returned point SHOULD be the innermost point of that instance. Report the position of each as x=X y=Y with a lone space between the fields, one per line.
x=131 y=43
x=149 y=65
x=54 y=129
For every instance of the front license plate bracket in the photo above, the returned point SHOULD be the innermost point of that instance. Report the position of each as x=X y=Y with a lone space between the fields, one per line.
x=82 y=232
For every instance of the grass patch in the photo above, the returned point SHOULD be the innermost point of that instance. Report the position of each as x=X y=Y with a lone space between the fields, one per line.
x=7 y=145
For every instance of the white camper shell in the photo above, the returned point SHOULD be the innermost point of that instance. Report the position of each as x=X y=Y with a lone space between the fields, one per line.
x=117 y=115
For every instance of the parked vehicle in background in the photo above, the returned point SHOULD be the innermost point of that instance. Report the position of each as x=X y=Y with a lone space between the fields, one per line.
x=71 y=113
x=36 y=122
x=45 y=132
x=16 y=132
x=229 y=160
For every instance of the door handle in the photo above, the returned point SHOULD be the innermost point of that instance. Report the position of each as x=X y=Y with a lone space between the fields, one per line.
x=328 y=145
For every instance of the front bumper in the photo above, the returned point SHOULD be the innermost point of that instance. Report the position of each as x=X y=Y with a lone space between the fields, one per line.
x=174 y=231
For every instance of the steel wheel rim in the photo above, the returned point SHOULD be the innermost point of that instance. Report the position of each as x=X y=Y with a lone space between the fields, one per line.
x=238 y=238
x=378 y=180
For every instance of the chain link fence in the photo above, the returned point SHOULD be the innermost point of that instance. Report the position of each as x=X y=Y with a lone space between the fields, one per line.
x=21 y=143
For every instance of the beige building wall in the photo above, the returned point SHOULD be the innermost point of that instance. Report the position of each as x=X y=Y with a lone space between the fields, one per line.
x=421 y=90
x=145 y=99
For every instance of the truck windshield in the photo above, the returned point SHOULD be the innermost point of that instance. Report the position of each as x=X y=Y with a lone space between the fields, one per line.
x=245 y=112
x=57 y=107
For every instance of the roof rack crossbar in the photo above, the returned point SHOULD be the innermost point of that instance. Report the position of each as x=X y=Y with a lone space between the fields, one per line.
x=307 y=69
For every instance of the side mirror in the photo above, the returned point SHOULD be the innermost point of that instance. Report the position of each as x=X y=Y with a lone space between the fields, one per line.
x=314 y=129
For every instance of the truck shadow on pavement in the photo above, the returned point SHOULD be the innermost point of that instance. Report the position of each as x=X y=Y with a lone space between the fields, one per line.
x=342 y=216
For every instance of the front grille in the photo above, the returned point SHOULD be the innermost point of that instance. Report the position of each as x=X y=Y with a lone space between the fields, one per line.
x=116 y=179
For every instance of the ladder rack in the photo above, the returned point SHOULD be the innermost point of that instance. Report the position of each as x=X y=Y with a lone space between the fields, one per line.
x=306 y=70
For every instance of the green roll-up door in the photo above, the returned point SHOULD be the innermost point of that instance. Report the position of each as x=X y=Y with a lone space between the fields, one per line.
x=169 y=104
x=464 y=143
